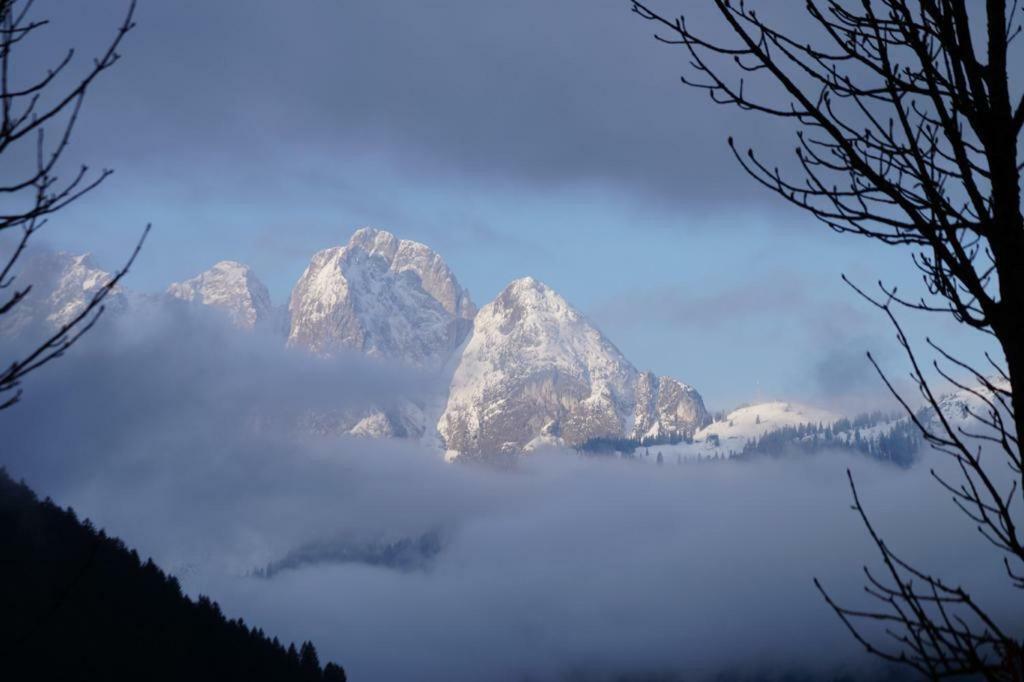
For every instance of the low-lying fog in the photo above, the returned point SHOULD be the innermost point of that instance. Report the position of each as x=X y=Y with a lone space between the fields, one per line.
x=402 y=567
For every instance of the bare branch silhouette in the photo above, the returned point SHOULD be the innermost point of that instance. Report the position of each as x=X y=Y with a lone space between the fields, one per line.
x=908 y=134
x=33 y=192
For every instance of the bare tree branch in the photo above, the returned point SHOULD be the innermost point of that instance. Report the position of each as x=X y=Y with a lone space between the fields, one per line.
x=34 y=193
x=908 y=133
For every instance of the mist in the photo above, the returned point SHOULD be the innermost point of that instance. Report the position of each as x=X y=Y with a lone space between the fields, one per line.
x=177 y=434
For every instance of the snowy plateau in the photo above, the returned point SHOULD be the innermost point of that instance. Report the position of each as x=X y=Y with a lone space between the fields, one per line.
x=525 y=371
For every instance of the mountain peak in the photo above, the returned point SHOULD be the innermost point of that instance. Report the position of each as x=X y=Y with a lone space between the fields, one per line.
x=384 y=296
x=80 y=260
x=375 y=241
x=231 y=266
x=529 y=297
x=527 y=283
x=528 y=287
x=62 y=284
x=535 y=370
x=406 y=255
x=231 y=287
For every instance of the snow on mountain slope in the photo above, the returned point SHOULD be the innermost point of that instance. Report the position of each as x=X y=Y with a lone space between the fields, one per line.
x=231 y=287
x=387 y=297
x=728 y=436
x=536 y=371
x=62 y=285
x=753 y=421
x=962 y=407
x=79 y=281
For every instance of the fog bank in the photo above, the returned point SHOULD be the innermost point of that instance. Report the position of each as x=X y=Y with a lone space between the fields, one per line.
x=174 y=434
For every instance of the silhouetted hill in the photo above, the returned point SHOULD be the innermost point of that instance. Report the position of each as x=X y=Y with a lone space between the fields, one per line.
x=79 y=605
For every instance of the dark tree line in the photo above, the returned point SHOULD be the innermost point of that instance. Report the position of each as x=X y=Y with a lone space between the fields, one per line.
x=77 y=604
x=908 y=132
x=607 y=445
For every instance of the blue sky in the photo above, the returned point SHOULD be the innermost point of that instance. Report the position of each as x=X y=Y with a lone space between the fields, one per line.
x=549 y=139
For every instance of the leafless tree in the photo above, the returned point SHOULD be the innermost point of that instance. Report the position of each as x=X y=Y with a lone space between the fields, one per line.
x=30 y=189
x=908 y=133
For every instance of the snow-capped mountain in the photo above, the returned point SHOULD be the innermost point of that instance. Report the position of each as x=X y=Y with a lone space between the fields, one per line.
x=79 y=281
x=62 y=285
x=387 y=297
x=525 y=371
x=963 y=407
x=231 y=287
x=537 y=371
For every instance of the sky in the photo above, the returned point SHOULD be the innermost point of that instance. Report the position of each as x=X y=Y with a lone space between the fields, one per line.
x=529 y=138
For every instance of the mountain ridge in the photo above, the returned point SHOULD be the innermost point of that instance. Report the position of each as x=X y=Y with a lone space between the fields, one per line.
x=536 y=371
x=526 y=370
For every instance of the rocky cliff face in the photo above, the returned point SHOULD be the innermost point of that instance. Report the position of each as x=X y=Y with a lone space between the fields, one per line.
x=666 y=409
x=387 y=297
x=537 y=371
x=62 y=285
x=232 y=288
x=529 y=368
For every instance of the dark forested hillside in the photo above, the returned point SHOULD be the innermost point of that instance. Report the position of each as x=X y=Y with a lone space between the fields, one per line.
x=78 y=605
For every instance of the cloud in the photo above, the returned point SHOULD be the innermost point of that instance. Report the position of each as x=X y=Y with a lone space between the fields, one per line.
x=845 y=378
x=771 y=316
x=560 y=568
x=773 y=295
x=529 y=93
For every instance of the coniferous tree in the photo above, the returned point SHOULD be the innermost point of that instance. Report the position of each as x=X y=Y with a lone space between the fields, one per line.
x=74 y=597
x=309 y=662
x=334 y=673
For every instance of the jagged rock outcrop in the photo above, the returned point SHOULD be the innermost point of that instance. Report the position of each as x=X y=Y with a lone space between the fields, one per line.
x=62 y=285
x=535 y=370
x=387 y=297
x=666 y=408
x=232 y=288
